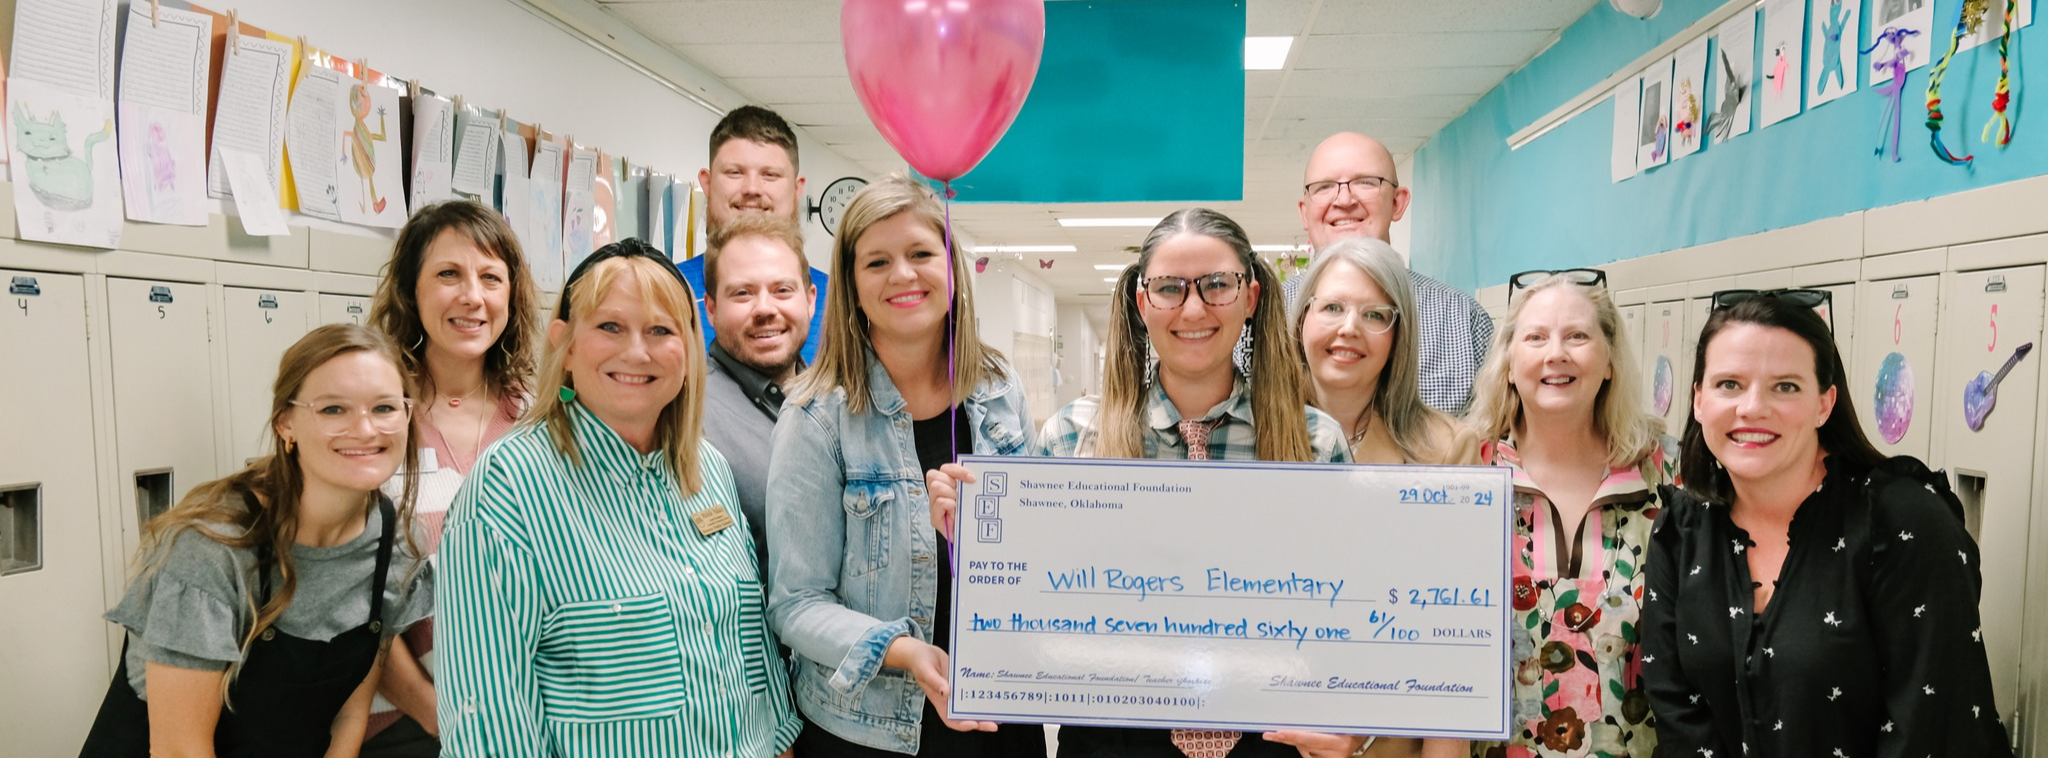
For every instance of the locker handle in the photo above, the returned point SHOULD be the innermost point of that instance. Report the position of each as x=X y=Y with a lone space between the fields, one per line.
x=21 y=529
x=152 y=494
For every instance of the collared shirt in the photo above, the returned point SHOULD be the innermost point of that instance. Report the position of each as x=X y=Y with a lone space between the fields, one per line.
x=587 y=613
x=740 y=408
x=1232 y=439
x=762 y=392
x=1575 y=626
x=1455 y=334
x=1871 y=644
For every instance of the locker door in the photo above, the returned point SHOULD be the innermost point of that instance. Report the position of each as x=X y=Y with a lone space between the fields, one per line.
x=1841 y=314
x=1632 y=328
x=344 y=309
x=1893 y=376
x=1986 y=316
x=261 y=325
x=1668 y=391
x=51 y=634
x=163 y=395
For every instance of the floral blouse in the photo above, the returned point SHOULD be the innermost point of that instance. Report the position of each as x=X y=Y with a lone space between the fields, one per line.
x=1870 y=646
x=1577 y=598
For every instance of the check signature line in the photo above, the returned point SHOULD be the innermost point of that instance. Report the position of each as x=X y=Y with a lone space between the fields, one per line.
x=1150 y=595
x=1374 y=694
x=1297 y=642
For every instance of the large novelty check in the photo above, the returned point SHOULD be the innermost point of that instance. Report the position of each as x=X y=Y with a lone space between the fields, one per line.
x=1247 y=596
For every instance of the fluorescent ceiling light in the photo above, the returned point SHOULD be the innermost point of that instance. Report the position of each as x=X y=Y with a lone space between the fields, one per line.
x=1110 y=279
x=1023 y=248
x=1139 y=222
x=1279 y=248
x=1266 y=53
x=1101 y=267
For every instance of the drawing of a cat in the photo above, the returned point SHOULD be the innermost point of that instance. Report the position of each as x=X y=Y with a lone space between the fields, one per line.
x=61 y=180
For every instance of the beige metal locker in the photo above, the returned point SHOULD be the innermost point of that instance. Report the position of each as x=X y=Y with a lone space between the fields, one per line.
x=1632 y=328
x=344 y=309
x=163 y=394
x=53 y=645
x=261 y=325
x=1894 y=372
x=1840 y=312
x=1668 y=388
x=1986 y=317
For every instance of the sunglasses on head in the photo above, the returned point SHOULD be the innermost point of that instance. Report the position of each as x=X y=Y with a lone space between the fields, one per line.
x=630 y=247
x=1797 y=297
x=1584 y=277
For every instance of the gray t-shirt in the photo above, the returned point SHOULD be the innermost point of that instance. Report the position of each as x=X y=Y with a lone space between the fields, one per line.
x=193 y=611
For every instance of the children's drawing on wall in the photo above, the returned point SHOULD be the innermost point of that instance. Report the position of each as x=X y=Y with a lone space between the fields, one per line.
x=1992 y=26
x=1784 y=41
x=67 y=182
x=370 y=152
x=1621 y=161
x=1891 y=55
x=1653 y=140
x=161 y=112
x=1834 y=49
x=1688 y=106
x=312 y=148
x=579 y=188
x=1982 y=393
x=1915 y=18
x=1894 y=403
x=1734 y=70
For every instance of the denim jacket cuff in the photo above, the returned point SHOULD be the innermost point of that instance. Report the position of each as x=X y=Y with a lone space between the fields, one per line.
x=864 y=658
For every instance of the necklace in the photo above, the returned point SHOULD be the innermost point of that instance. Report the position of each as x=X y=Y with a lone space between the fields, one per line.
x=1364 y=422
x=456 y=402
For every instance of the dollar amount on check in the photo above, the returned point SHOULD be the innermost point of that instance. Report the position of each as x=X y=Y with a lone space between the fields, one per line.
x=1247 y=596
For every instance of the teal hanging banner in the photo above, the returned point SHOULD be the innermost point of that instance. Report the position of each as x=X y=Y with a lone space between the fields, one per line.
x=1136 y=100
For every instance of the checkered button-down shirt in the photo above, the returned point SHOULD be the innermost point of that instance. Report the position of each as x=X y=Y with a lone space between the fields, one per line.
x=1455 y=334
x=1071 y=432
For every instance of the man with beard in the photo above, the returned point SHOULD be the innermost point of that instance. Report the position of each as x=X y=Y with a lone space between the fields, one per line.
x=759 y=296
x=752 y=170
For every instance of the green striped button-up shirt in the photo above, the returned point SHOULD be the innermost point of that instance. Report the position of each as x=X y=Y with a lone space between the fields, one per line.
x=584 y=614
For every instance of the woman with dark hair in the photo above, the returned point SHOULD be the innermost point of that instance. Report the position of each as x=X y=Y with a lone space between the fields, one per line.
x=861 y=590
x=1195 y=290
x=262 y=602
x=459 y=299
x=1807 y=595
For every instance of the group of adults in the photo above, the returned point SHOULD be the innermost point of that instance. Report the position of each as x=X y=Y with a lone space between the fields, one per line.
x=655 y=547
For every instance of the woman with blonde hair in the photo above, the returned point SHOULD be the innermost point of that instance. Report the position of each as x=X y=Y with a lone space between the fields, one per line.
x=601 y=594
x=861 y=591
x=263 y=601
x=1359 y=348
x=457 y=295
x=1195 y=290
x=1559 y=401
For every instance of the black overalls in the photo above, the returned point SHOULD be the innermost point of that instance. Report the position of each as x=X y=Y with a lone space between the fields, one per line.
x=287 y=693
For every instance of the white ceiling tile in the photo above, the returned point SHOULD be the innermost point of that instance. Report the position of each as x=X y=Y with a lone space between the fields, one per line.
x=1469 y=81
x=845 y=133
x=686 y=23
x=1262 y=83
x=1277 y=18
x=738 y=60
x=776 y=90
x=1424 y=50
x=823 y=114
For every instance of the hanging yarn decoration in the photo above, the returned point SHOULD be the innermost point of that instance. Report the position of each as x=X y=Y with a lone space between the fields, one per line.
x=1894 y=39
x=1964 y=23
x=2002 y=97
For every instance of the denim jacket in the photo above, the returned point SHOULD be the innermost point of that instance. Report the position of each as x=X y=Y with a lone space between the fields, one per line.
x=852 y=549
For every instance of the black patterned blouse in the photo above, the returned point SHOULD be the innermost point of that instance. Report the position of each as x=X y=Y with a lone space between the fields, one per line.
x=1869 y=648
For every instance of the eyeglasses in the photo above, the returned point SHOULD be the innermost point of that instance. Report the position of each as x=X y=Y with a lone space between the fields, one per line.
x=1170 y=292
x=630 y=247
x=1801 y=298
x=1368 y=186
x=336 y=418
x=1584 y=277
x=1376 y=318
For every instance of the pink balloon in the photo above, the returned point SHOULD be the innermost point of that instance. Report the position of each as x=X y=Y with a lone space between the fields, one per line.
x=942 y=79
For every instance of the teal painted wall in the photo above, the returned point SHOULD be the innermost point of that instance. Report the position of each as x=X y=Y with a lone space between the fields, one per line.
x=1483 y=212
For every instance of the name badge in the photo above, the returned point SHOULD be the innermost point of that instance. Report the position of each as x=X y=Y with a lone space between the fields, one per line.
x=711 y=520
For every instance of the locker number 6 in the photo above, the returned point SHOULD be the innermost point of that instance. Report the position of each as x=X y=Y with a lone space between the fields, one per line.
x=1994 y=330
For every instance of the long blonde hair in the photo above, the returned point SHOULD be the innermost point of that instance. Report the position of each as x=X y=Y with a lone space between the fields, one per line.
x=680 y=427
x=1618 y=413
x=843 y=356
x=1418 y=430
x=1277 y=383
x=276 y=484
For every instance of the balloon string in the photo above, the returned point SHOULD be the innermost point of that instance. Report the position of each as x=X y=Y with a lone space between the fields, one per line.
x=952 y=370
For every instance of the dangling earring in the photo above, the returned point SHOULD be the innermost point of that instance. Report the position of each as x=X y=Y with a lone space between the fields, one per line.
x=567 y=393
x=289 y=446
x=1717 y=464
x=421 y=341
